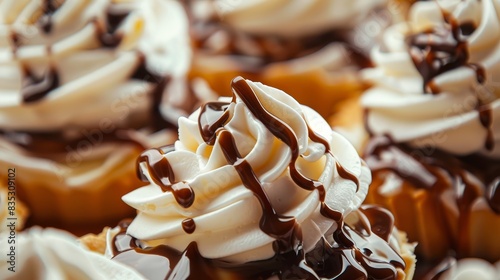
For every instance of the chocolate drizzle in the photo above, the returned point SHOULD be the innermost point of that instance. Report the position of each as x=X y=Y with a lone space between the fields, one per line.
x=107 y=31
x=469 y=178
x=213 y=116
x=163 y=175
x=442 y=49
x=49 y=7
x=35 y=88
x=188 y=225
x=338 y=254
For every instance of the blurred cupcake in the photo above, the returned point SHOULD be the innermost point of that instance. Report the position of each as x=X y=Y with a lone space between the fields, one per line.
x=257 y=187
x=434 y=117
x=85 y=86
x=311 y=49
x=41 y=254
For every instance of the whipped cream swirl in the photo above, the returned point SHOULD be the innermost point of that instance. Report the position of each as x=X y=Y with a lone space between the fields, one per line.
x=436 y=78
x=294 y=18
x=55 y=254
x=243 y=169
x=76 y=63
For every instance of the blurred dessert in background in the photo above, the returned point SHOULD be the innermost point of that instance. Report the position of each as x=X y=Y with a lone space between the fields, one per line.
x=257 y=186
x=310 y=49
x=434 y=120
x=85 y=86
x=55 y=254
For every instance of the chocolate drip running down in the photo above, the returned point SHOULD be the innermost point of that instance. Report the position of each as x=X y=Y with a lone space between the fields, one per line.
x=107 y=31
x=35 y=88
x=160 y=83
x=340 y=261
x=163 y=175
x=442 y=49
x=469 y=178
x=49 y=7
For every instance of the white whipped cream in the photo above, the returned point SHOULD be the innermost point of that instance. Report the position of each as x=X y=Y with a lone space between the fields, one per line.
x=55 y=254
x=94 y=82
x=448 y=120
x=472 y=269
x=294 y=18
x=225 y=212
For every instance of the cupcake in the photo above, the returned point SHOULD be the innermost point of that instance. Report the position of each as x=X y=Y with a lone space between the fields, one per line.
x=40 y=254
x=256 y=187
x=434 y=119
x=311 y=49
x=85 y=87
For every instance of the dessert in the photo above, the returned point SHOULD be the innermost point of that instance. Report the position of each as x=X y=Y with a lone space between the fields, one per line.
x=55 y=254
x=257 y=186
x=311 y=49
x=85 y=86
x=434 y=119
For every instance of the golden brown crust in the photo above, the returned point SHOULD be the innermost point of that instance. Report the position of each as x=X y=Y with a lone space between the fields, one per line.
x=95 y=242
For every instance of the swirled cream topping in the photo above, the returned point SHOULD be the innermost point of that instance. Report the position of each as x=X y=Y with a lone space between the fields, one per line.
x=54 y=254
x=436 y=78
x=76 y=63
x=247 y=173
x=472 y=269
x=294 y=18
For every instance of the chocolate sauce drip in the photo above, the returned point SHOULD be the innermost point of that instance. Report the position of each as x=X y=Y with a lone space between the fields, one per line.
x=35 y=88
x=213 y=116
x=158 y=120
x=45 y=21
x=468 y=177
x=442 y=49
x=162 y=174
x=107 y=34
x=331 y=261
x=188 y=225
x=161 y=262
x=290 y=260
x=382 y=221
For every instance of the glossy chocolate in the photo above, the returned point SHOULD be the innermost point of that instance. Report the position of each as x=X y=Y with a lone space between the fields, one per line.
x=442 y=49
x=34 y=87
x=337 y=256
x=107 y=34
